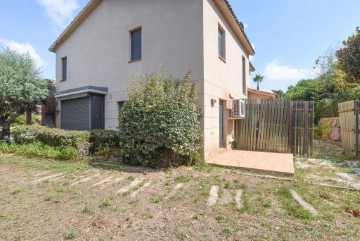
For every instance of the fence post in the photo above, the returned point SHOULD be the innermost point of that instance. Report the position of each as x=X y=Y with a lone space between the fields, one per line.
x=356 y=112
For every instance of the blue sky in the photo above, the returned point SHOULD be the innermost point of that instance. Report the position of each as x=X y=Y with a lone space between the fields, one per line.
x=288 y=35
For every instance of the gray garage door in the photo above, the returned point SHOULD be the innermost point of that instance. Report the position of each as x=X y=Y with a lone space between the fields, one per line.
x=75 y=114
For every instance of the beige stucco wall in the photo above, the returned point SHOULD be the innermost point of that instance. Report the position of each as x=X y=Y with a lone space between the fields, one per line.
x=220 y=78
x=180 y=35
x=98 y=51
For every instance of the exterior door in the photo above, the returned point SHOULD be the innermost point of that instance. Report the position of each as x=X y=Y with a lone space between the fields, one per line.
x=221 y=124
x=97 y=112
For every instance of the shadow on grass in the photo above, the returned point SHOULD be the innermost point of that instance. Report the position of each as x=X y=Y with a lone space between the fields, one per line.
x=114 y=164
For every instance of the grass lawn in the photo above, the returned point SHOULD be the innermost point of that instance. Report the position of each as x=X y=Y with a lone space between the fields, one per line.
x=52 y=200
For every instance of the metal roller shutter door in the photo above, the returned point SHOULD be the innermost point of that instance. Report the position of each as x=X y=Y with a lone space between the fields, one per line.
x=75 y=114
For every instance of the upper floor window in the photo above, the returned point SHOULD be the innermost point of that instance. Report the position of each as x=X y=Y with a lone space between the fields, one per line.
x=244 y=75
x=221 y=42
x=64 y=68
x=135 y=44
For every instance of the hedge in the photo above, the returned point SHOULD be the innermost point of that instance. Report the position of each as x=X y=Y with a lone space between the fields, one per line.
x=85 y=142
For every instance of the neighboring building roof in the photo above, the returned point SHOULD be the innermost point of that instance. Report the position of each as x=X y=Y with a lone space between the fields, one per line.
x=264 y=93
x=223 y=5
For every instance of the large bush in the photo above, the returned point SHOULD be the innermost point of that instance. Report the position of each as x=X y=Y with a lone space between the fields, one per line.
x=104 y=139
x=159 y=124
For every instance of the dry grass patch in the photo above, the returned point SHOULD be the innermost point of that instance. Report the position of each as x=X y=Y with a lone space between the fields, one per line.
x=55 y=210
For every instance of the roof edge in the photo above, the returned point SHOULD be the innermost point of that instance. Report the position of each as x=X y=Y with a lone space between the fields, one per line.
x=223 y=5
x=262 y=92
x=84 y=13
x=237 y=26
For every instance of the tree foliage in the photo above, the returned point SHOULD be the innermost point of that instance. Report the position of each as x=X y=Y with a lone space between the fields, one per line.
x=159 y=124
x=279 y=93
x=349 y=57
x=257 y=79
x=21 y=88
x=328 y=89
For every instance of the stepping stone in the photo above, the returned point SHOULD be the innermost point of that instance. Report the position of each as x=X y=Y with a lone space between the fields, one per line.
x=173 y=192
x=303 y=203
x=347 y=176
x=146 y=185
x=179 y=186
x=213 y=196
x=238 y=196
x=46 y=178
x=130 y=186
x=57 y=178
x=41 y=173
x=102 y=181
x=84 y=180
x=117 y=180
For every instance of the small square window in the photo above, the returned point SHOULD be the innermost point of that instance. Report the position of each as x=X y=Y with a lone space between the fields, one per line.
x=135 y=44
x=64 y=68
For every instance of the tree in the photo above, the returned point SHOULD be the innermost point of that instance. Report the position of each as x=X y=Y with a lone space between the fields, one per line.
x=160 y=122
x=21 y=88
x=258 y=78
x=349 y=57
x=279 y=93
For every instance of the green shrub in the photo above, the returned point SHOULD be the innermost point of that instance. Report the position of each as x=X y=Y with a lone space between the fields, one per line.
x=159 y=124
x=53 y=137
x=20 y=120
x=317 y=133
x=103 y=141
x=38 y=149
x=325 y=128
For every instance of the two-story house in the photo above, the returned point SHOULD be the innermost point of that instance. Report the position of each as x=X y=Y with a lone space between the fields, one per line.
x=111 y=40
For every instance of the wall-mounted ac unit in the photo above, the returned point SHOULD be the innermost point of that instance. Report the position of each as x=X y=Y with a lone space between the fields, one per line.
x=238 y=108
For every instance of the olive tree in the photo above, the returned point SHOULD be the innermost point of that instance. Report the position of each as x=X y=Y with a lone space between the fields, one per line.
x=21 y=87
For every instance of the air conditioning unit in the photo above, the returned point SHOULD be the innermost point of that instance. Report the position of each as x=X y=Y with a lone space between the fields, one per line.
x=238 y=108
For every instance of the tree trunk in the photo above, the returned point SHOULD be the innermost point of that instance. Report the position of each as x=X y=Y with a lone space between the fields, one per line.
x=28 y=115
x=258 y=87
x=5 y=133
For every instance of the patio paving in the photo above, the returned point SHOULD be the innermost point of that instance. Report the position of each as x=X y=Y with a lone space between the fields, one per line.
x=277 y=164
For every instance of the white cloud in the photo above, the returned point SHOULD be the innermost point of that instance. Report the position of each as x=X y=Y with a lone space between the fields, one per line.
x=59 y=11
x=24 y=48
x=277 y=72
x=246 y=25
